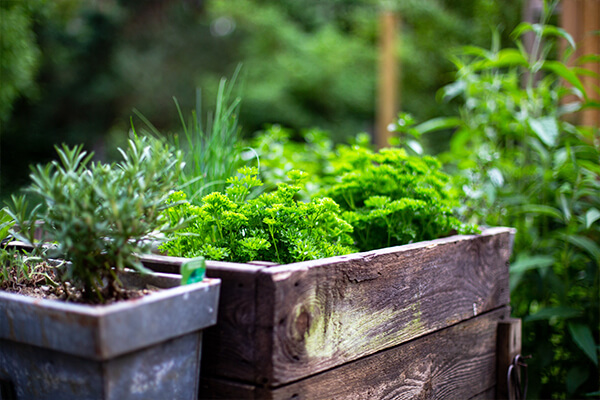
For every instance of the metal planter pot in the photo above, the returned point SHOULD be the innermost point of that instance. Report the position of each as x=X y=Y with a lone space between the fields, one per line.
x=147 y=348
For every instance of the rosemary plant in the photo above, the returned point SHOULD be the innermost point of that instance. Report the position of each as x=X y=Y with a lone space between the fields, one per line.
x=100 y=215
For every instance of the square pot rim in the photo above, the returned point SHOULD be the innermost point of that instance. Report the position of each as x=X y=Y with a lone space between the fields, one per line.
x=101 y=310
x=102 y=332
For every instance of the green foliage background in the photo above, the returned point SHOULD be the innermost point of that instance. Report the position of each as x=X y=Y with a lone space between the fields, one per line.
x=20 y=53
x=521 y=163
x=72 y=71
x=306 y=63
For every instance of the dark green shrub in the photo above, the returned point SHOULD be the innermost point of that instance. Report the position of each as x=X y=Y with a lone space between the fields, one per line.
x=20 y=53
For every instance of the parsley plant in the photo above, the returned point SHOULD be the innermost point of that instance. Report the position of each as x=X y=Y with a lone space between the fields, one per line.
x=273 y=227
x=392 y=198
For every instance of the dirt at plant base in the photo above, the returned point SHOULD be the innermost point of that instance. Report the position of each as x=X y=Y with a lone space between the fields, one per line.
x=44 y=284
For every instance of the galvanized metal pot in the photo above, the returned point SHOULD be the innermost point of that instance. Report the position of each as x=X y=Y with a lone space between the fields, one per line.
x=147 y=348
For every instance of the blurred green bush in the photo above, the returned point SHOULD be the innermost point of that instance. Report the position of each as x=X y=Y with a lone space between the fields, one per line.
x=20 y=53
x=521 y=163
x=305 y=63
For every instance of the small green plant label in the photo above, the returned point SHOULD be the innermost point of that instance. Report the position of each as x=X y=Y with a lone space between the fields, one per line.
x=193 y=271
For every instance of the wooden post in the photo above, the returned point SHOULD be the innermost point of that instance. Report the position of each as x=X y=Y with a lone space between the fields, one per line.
x=591 y=45
x=507 y=347
x=580 y=18
x=387 y=106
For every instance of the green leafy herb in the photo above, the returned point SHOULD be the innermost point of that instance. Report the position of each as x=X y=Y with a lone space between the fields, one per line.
x=6 y=222
x=391 y=198
x=279 y=154
x=18 y=269
x=271 y=227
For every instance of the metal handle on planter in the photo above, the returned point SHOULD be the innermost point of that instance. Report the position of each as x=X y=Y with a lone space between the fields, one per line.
x=516 y=389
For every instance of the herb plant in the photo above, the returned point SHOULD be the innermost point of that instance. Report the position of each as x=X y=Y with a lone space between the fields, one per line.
x=391 y=198
x=100 y=215
x=6 y=222
x=279 y=154
x=18 y=269
x=213 y=148
x=271 y=227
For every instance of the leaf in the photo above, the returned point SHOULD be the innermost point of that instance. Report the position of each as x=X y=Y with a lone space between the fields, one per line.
x=475 y=51
x=583 y=338
x=584 y=243
x=509 y=58
x=504 y=58
x=546 y=129
x=564 y=205
x=561 y=312
x=437 y=124
x=541 y=209
x=564 y=72
x=6 y=222
x=591 y=216
x=415 y=146
x=522 y=28
x=588 y=58
x=451 y=90
x=591 y=104
x=551 y=30
x=590 y=166
x=496 y=177
x=526 y=263
x=576 y=376
x=568 y=108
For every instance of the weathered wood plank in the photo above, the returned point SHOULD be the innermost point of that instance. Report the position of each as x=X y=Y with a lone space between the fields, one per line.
x=215 y=388
x=160 y=263
x=489 y=394
x=508 y=346
x=228 y=347
x=458 y=362
x=333 y=311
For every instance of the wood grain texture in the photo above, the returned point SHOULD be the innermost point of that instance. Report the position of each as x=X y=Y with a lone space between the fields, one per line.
x=215 y=388
x=326 y=313
x=457 y=362
x=489 y=394
x=508 y=346
x=228 y=347
x=591 y=45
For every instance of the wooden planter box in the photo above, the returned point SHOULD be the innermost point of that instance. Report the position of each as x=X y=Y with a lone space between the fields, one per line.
x=413 y=321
